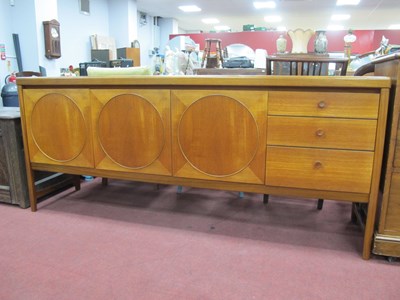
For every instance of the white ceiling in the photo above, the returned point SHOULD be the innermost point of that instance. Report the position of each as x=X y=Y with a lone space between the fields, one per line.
x=313 y=14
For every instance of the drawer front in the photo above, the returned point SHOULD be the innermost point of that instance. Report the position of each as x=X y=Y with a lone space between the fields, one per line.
x=320 y=169
x=322 y=132
x=324 y=104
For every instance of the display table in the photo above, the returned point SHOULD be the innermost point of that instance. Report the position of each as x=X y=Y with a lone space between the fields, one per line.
x=319 y=137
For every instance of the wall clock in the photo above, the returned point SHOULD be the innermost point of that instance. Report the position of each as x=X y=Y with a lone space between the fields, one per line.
x=52 y=39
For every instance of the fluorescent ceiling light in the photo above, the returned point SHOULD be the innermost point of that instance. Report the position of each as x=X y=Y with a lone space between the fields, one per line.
x=210 y=21
x=394 y=26
x=264 y=4
x=340 y=17
x=281 y=28
x=335 y=27
x=347 y=2
x=189 y=8
x=272 y=19
x=222 y=27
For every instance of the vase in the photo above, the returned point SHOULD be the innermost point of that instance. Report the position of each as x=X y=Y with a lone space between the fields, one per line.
x=281 y=44
x=321 y=42
x=300 y=39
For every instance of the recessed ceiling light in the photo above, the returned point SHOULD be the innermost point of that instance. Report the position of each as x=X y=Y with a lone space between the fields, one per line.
x=210 y=21
x=264 y=4
x=340 y=17
x=189 y=8
x=335 y=27
x=222 y=28
x=394 y=26
x=272 y=19
x=347 y=2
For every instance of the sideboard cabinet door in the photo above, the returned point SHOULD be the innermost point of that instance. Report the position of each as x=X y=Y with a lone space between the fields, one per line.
x=219 y=134
x=131 y=130
x=58 y=126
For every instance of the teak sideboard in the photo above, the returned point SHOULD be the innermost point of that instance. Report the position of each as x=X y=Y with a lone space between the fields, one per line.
x=317 y=137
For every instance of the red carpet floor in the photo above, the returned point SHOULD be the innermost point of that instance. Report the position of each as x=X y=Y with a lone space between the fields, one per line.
x=131 y=241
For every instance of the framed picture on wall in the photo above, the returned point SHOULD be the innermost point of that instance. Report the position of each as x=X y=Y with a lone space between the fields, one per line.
x=84 y=7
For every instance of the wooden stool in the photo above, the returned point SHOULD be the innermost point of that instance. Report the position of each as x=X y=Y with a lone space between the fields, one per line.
x=208 y=61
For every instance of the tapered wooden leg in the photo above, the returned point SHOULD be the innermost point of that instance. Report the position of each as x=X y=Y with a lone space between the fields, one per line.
x=353 y=213
x=31 y=187
x=265 y=199
x=77 y=182
x=104 y=181
x=320 y=204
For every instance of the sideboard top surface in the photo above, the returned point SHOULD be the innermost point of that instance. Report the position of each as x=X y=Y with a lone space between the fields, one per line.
x=227 y=81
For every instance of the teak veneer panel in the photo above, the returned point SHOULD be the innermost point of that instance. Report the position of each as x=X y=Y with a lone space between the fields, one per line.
x=131 y=130
x=58 y=126
x=219 y=135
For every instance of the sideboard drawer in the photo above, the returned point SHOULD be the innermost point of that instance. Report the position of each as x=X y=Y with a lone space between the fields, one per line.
x=320 y=169
x=352 y=134
x=324 y=104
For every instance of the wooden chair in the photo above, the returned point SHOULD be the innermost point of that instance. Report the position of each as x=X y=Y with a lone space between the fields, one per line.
x=306 y=65
x=366 y=69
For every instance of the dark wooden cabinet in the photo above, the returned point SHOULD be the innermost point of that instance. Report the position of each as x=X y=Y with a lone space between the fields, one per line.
x=130 y=53
x=13 y=179
x=387 y=237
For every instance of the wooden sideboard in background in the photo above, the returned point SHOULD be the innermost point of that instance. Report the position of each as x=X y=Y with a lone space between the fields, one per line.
x=312 y=137
x=387 y=238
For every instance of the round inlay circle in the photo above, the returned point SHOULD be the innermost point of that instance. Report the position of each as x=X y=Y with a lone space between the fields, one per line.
x=218 y=135
x=58 y=127
x=131 y=131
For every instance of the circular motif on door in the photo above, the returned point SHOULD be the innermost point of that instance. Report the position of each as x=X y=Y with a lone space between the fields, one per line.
x=58 y=127
x=218 y=135
x=131 y=131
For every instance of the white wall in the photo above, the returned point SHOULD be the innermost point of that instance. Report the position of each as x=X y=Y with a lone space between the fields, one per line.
x=45 y=11
x=123 y=26
x=167 y=26
x=145 y=37
x=26 y=19
x=10 y=64
x=24 y=24
x=76 y=28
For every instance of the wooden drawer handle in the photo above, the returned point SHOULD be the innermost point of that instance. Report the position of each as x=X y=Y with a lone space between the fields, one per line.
x=319 y=133
x=322 y=104
x=318 y=165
